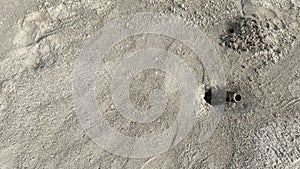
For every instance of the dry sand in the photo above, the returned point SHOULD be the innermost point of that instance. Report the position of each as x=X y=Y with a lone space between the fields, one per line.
x=257 y=40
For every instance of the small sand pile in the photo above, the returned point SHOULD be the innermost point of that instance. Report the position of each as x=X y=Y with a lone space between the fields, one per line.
x=261 y=37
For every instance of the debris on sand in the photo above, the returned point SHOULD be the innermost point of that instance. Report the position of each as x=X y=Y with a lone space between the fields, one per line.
x=262 y=37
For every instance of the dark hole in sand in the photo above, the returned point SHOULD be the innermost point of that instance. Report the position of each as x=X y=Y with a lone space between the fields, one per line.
x=208 y=96
x=237 y=98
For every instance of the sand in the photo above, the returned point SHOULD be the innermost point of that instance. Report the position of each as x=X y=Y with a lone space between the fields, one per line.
x=257 y=45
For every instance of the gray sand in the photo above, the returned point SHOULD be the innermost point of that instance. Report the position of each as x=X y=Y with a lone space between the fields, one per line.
x=257 y=41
